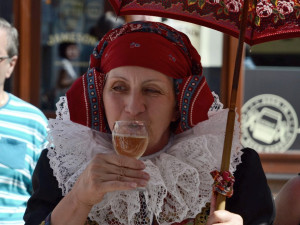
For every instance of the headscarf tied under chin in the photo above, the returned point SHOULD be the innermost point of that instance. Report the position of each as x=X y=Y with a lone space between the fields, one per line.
x=156 y=46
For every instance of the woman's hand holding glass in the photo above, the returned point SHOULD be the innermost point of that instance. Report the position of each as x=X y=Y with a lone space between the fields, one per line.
x=115 y=172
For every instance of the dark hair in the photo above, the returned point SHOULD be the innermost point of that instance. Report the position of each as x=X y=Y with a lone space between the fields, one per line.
x=63 y=47
x=12 y=37
x=105 y=23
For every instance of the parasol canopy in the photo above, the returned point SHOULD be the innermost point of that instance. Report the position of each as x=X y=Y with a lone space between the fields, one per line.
x=267 y=20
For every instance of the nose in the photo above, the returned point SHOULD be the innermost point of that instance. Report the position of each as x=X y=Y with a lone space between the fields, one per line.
x=135 y=104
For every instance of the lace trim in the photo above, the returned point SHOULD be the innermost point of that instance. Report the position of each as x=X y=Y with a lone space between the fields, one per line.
x=62 y=109
x=180 y=183
x=216 y=105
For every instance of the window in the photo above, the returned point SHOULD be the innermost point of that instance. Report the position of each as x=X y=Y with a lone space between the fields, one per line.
x=271 y=108
x=69 y=32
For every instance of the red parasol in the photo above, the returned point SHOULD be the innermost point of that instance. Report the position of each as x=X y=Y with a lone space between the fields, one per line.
x=259 y=21
x=267 y=20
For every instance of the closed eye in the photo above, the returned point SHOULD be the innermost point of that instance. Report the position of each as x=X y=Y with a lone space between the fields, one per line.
x=152 y=91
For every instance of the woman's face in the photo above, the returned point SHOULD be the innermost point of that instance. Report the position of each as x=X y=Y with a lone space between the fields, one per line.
x=138 y=93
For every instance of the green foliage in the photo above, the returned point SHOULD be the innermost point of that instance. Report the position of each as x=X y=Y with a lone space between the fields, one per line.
x=226 y=11
x=201 y=3
x=297 y=14
x=257 y=21
x=274 y=2
x=191 y=2
x=281 y=16
x=220 y=10
x=222 y=3
x=275 y=11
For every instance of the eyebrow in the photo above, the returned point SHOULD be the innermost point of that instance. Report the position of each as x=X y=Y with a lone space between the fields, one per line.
x=125 y=79
x=115 y=76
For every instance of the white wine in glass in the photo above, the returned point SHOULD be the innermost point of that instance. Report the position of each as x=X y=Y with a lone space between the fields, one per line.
x=130 y=138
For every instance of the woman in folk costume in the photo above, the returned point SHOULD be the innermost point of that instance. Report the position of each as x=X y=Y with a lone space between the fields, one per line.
x=144 y=71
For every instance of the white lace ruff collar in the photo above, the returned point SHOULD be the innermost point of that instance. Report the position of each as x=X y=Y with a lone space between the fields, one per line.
x=180 y=182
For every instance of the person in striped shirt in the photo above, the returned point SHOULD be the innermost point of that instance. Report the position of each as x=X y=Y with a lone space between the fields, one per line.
x=23 y=131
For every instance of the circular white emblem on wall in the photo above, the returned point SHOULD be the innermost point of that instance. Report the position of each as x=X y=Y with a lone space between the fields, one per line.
x=269 y=124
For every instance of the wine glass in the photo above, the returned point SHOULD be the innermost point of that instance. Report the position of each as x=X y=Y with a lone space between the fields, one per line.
x=130 y=138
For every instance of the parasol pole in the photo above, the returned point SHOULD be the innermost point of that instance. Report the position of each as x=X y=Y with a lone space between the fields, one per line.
x=221 y=199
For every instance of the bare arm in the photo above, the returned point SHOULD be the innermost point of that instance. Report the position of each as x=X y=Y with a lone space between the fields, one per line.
x=288 y=203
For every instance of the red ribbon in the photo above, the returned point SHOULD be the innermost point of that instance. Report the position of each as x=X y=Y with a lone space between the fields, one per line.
x=223 y=182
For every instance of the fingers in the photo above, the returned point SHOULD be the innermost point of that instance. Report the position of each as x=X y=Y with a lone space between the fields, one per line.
x=122 y=161
x=118 y=172
x=139 y=178
x=108 y=173
x=117 y=186
x=224 y=217
x=118 y=168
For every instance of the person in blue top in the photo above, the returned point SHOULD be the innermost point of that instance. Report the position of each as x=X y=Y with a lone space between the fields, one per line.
x=23 y=131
